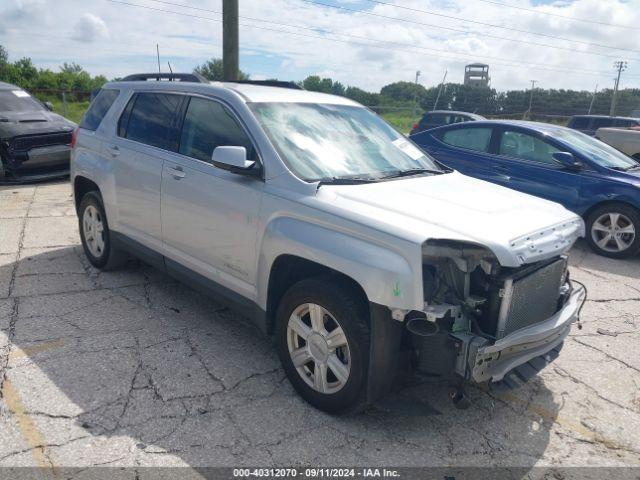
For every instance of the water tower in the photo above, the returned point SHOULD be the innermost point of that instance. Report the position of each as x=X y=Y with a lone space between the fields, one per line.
x=477 y=75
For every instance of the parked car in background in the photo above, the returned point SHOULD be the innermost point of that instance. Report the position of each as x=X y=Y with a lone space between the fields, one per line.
x=557 y=163
x=438 y=118
x=34 y=141
x=330 y=230
x=589 y=124
x=627 y=140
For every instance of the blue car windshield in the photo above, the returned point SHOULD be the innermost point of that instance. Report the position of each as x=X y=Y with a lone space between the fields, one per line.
x=596 y=150
x=326 y=141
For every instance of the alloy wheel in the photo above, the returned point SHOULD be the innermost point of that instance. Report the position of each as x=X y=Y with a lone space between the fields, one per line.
x=318 y=348
x=93 y=228
x=613 y=232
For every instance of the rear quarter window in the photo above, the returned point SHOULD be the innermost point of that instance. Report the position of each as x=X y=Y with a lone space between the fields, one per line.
x=98 y=109
x=625 y=123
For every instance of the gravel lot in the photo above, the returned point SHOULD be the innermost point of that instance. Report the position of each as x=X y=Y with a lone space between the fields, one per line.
x=130 y=368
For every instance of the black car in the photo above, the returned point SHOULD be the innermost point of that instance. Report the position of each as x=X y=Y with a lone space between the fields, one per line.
x=589 y=124
x=34 y=141
x=439 y=118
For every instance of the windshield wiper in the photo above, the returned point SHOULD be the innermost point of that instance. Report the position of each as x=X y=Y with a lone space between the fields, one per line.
x=346 y=181
x=412 y=171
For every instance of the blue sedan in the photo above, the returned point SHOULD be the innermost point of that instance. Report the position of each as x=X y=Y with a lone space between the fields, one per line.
x=559 y=164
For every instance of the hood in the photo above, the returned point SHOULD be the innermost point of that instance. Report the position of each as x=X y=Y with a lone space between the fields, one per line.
x=518 y=228
x=26 y=123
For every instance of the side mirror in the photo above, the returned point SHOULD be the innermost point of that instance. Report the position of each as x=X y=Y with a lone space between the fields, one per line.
x=48 y=106
x=567 y=160
x=234 y=160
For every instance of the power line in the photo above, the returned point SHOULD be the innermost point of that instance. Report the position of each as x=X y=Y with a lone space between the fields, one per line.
x=515 y=65
x=572 y=50
x=315 y=2
x=359 y=37
x=566 y=17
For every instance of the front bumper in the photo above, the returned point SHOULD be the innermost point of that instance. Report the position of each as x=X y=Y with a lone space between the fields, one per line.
x=37 y=164
x=481 y=361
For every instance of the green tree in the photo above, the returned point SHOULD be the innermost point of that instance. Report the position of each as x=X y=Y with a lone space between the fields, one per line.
x=361 y=96
x=403 y=91
x=314 y=83
x=4 y=56
x=213 y=70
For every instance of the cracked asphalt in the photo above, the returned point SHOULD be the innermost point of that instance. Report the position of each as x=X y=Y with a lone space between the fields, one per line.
x=130 y=368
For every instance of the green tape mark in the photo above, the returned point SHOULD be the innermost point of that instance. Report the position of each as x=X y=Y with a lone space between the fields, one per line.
x=396 y=290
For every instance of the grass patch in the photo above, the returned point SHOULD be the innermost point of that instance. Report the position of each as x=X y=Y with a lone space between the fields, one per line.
x=73 y=110
x=402 y=121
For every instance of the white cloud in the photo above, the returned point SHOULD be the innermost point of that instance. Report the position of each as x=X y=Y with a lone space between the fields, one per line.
x=128 y=44
x=90 y=28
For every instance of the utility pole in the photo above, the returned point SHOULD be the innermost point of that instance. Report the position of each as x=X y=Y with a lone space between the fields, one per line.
x=621 y=66
x=533 y=84
x=415 y=97
x=435 y=105
x=158 y=55
x=595 y=92
x=230 y=40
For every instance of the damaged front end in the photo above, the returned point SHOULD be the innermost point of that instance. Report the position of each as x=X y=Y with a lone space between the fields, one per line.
x=35 y=156
x=487 y=323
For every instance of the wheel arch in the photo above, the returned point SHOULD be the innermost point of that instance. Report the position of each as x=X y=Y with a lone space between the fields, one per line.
x=595 y=206
x=82 y=186
x=386 y=274
x=287 y=270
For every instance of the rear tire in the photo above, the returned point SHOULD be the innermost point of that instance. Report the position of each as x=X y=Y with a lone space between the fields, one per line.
x=323 y=338
x=613 y=230
x=95 y=234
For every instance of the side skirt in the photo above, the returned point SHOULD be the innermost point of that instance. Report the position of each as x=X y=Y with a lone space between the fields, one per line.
x=198 y=282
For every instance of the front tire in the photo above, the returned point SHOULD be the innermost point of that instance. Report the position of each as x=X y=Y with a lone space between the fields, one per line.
x=95 y=234
x=613 y=230
x=323 y=338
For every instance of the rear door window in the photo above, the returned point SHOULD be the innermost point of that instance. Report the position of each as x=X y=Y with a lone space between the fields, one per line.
x=209 y=124
x=477 y=139
x=150 y=119
x=601 y=123
x=98 y=109
x=527 y=147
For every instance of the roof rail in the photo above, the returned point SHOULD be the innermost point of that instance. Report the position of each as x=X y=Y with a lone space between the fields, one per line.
x=171 y=77
x=272 y=83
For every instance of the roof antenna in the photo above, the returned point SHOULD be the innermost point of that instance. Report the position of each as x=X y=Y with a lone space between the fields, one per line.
x=158 y=53
x=171 y=70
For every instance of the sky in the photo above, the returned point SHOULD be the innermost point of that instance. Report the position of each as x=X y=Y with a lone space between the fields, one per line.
x=363 y=43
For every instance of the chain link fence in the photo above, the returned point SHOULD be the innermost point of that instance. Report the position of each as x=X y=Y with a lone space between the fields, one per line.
x=70 y=104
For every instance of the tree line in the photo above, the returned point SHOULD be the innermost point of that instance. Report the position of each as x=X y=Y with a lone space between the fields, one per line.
x=71 y=77
x=482 y=100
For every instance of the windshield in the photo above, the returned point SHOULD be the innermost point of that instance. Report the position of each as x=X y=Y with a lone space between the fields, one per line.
x=18 y=101
x=598 y=151
x=323 y=141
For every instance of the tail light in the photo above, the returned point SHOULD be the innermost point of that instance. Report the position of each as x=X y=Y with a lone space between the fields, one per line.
x=74 y=137
x=415 y=126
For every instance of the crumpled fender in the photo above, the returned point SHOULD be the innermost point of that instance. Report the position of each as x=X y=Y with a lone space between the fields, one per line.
x=386 y=276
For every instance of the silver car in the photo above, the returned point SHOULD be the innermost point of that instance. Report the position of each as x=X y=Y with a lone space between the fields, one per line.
x=358 y=252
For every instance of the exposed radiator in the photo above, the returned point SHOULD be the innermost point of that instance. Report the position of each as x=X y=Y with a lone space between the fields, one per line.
x=530 y=298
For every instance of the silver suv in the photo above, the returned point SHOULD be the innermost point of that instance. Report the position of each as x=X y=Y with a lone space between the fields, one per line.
x=358 y=252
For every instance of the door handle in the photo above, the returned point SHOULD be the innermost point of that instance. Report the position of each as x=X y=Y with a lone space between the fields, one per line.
x=114 y=150
x=176 y=172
